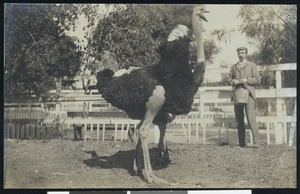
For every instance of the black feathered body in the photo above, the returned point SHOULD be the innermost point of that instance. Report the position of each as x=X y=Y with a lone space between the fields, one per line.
x=130 y=92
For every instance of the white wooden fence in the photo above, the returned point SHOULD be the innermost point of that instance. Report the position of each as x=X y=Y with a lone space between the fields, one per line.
x=119 y=127
x=212 y=107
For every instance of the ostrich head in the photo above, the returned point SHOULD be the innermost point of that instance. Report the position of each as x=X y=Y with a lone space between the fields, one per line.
x=182 y=30
x=200 y=11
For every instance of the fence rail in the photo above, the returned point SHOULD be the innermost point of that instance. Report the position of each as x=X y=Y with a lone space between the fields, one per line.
x=212 y=107
x=92 y=128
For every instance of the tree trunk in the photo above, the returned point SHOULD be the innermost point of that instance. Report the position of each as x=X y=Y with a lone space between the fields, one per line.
x=58 y=87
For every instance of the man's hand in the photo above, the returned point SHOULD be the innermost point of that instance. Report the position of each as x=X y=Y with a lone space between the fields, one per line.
x=235 y=82
x=244 y=80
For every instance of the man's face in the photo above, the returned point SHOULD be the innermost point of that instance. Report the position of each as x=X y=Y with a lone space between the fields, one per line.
x=242 y=54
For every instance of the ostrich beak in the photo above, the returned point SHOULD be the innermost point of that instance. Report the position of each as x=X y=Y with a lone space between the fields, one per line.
x=201 y=15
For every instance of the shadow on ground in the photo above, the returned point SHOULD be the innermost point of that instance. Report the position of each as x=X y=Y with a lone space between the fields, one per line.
x=121 y=159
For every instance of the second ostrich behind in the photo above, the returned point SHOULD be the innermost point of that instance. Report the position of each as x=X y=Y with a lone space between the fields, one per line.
x=155 y=94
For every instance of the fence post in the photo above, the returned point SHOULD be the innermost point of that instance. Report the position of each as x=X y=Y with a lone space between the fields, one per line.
x=280 y=112
x=38 y=131
x=49 y=129
x=91 y=135
x=116 y=131
x=268 y=133
x=17 y=131
x=184 y=129
x=189 y=132
x=44 y=132
x=278 y=133
x=27 y=131
x=201 y=103
x=12 y=131
x=6 y=125
x=22 y=133
x=293 y=126
x=219 y=135
x=98 y=126
x=122 y=130
x=204 y=133
x=84 y=131
x=227 y=133
x=103 y=132
x=285 y=133
x=33 y=131
x=197 y=132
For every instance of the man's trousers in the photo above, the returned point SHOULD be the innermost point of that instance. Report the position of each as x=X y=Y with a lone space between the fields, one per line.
x=239 y=116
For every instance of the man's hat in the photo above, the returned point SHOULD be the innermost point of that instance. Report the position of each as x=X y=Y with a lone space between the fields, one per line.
x=241 y=48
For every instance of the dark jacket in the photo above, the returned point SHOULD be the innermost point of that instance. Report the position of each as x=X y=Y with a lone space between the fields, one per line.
x=249 y=71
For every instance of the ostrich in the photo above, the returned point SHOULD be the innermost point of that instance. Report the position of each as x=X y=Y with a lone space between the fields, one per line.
x=156 y=93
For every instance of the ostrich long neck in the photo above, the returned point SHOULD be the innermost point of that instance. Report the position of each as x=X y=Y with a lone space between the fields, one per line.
x=198 y=73
x=198 y=35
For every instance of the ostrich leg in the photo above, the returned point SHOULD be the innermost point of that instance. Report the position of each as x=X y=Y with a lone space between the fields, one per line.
x=143 y=132
x=137 y=163
x=132 y=133
x=138 y=158
x=162 y=153
x=153 y=106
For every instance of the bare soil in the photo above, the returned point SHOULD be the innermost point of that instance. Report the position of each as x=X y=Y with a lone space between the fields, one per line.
x=59 y=163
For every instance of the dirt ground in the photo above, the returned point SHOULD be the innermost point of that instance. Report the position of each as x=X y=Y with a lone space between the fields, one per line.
x=59 y=163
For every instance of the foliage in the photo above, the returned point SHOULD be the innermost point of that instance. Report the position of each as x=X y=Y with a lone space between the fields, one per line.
x=134 y=32
x=66 y=17
x=223 y=34
x=127 y=33
x=273 y=29
x=36 y=51
x=210 y=50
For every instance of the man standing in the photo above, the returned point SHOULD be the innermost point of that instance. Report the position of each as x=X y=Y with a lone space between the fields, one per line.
x=245 y=72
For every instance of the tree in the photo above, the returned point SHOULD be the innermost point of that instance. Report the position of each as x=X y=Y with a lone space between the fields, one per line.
x=36 y=51
x=134 y=32
x=127 y=33
x=67 y=61
x=273 y=29
x=211 y=50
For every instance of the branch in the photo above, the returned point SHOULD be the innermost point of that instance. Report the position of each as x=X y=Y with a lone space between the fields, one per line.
x=23 y=23
x=271 y=11
x=30 y=34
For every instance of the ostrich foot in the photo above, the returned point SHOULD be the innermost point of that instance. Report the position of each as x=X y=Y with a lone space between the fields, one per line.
x=149 y=177
x=137 y=171
x=152 y=178
x=163 y=161
x=163 y=158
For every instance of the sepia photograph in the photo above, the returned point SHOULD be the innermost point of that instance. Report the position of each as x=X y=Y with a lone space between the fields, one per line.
x=150 y=96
